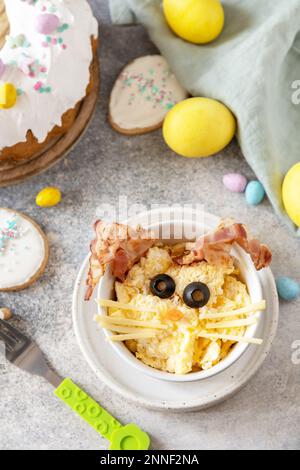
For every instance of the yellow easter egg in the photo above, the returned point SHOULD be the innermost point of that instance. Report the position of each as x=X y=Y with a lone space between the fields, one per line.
x=291 y=194
x=48 y=197
x=198 y=127
x=8 y=95
x=197 y=21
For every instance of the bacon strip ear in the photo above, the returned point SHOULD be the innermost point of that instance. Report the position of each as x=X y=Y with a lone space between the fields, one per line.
x=118 y=246
x=215 y=247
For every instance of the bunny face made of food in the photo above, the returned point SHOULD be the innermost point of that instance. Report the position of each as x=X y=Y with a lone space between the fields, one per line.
x=166 y=294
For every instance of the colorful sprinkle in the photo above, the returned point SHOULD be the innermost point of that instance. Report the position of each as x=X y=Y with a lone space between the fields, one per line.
x=18 y=41
x=38 y=85
x=9 y=232
x=147 y=87
x=63 y=28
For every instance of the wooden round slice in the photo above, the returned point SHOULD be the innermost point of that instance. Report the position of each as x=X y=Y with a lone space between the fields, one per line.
x=24 y=251
x=12 y=173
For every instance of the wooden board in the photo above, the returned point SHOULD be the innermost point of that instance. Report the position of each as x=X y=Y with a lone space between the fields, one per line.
x=59 y=148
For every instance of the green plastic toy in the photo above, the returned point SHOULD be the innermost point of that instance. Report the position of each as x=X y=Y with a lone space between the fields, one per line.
x=129 y=437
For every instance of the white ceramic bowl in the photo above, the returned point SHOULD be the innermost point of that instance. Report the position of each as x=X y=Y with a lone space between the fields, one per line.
x=248 y=275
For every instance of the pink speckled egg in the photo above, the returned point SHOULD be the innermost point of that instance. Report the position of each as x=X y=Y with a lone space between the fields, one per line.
x=2 y=68
x=46 y=23
x=235 y=182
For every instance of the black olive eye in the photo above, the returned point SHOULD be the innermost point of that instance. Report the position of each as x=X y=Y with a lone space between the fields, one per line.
x=162 y=286
x=196 y=295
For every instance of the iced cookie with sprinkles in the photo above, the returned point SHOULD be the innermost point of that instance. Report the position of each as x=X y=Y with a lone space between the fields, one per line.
x=24 y=251
x=143 y=94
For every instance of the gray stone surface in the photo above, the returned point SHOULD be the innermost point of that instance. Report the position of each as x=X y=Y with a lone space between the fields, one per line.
x=265 y=414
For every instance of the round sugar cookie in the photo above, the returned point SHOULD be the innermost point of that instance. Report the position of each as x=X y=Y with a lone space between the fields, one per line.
x=143 y=94
x=24 y=251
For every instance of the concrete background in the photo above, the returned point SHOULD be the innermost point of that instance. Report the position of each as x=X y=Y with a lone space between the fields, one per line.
x=265 y=414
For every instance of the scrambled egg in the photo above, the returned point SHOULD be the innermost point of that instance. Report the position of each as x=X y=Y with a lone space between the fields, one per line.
x=178 y=349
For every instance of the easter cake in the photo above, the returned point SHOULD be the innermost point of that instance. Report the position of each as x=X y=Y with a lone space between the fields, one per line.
x=179 y=308
x=47 y=48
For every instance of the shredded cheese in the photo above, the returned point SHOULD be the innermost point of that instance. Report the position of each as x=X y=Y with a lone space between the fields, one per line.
x=241 y=311
x=236 y=339
x=115 y=304
x=129 y=322
x=231 y=324
x=144 y=334
x=123 y=329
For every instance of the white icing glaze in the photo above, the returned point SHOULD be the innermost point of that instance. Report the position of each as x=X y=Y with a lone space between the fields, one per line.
x=21 y=257
x=144 y=93
x=67 y=70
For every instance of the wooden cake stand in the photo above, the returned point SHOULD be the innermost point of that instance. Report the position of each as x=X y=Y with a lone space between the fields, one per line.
x=17 y=172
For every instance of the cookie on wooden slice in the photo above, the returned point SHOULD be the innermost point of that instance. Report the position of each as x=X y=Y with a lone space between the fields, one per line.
x=143 y=94
x=24 y=251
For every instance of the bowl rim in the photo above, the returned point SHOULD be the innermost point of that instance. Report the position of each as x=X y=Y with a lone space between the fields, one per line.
x=236 y=352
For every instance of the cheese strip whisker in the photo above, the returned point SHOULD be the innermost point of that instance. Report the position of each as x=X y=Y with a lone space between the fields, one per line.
x=236 y=339
x=249 y=309
x=231 y=324
x=144 y=334
x=129 y=322
x=124 y=329
x=114 y=304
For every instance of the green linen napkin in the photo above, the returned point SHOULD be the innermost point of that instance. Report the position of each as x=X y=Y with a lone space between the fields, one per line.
x=253 y=68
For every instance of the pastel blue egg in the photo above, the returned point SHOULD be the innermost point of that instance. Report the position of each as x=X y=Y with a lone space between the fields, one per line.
x=287 y=288
x=255 y=193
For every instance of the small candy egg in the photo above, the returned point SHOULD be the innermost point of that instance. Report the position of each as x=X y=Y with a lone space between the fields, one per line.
x=255 y=193
x=291 y=194
x=2 y=67
x=198 y=127
x=287 y=288
x=48 y=197
x=235 y=182
x=5 y=313
x=46 y=23
x=8 y=95
x=197 y=21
